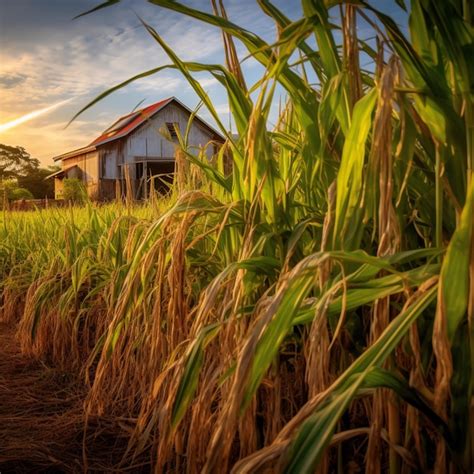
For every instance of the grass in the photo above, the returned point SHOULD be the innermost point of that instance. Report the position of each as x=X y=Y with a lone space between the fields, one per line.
x=317 y=298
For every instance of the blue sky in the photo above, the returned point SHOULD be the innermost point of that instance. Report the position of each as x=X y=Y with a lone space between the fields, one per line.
x=46 y=58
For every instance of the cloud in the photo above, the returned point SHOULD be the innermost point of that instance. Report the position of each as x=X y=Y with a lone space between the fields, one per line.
x=209 y=82
x=222 y=109
x=57 y=139
x=10 y=80
x=88 y=63
x=31 y=116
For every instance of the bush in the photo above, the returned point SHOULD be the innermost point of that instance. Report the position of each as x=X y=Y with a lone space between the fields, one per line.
x=37 y=183
x=19 y=193
x=10 y=191
x=74 y=190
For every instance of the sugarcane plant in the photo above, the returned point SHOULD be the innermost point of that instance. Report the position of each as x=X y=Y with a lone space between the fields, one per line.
x=311 y=306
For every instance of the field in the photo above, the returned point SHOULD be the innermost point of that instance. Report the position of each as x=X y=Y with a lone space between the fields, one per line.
x=307 y=308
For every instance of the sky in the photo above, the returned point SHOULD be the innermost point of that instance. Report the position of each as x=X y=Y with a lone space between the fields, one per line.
x=50 y=61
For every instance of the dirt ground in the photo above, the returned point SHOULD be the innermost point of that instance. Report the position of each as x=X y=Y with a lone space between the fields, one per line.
x=40 y=413
x=42 y=420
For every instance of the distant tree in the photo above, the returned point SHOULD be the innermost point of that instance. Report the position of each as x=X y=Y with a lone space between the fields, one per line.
x=9 y=191
x=37 y=184
x=16 y=162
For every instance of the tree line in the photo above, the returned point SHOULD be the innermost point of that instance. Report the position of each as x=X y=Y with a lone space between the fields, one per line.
x=22 y=176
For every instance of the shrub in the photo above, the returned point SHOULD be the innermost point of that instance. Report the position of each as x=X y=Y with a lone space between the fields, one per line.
x=74 y=190
x=19 y=193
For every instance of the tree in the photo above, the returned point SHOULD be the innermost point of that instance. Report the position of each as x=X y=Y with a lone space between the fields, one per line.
x=16 y=162
x=18 y=165
x=20 y=193
x=37 y=183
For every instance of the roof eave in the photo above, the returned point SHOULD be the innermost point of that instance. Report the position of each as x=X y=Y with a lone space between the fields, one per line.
x=71 y=154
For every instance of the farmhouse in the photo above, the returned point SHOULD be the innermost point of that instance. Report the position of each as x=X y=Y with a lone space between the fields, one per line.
x=134 y=148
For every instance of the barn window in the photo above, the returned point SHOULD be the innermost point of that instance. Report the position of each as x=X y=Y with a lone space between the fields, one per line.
x=172 y=129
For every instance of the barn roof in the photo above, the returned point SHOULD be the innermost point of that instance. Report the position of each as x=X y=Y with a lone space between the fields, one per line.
x=78 y=151
x=126 y=124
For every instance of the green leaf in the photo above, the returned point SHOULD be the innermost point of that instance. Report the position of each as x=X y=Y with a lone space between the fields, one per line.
x=317 y=431
x=190 y=378
x=350 y=177
x=455 y=270
x=108 y=3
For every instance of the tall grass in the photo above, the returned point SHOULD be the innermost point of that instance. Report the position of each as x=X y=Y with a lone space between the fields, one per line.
x=311 y=310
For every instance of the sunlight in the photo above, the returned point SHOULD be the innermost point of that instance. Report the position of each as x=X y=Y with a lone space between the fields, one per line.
x=30 y=116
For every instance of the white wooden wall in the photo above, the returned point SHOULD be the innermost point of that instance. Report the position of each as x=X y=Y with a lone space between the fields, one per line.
x=146 y=142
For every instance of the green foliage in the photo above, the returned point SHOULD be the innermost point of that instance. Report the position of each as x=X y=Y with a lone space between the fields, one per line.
x=20 y=193
x=10 y=191
x=74 y=191
x=36 y=182
x=16 y=162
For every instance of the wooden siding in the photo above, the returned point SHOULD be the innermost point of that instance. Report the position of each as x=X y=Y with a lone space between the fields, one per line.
x=111 y=156
x=146 y=143
x=87 y=169
x=58 y=188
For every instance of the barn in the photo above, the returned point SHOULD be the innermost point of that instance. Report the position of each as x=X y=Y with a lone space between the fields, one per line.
x=135 y=148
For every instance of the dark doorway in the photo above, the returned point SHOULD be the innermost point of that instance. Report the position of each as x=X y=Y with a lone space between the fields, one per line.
x=161 y=174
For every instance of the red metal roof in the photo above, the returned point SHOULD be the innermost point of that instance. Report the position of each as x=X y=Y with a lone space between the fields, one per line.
x=136 y=119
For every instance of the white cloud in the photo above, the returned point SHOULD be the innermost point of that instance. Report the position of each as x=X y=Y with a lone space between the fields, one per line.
x=208 y=82
x=50 y=72
x=222 y=109
x=51 y=139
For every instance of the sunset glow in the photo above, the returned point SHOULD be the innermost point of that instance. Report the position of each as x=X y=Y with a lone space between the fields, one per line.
x=32 y=115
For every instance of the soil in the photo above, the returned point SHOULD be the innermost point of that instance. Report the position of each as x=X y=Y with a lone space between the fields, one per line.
x=41 y=423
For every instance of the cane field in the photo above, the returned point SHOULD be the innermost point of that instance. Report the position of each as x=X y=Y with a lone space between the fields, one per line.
x=302 y=303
